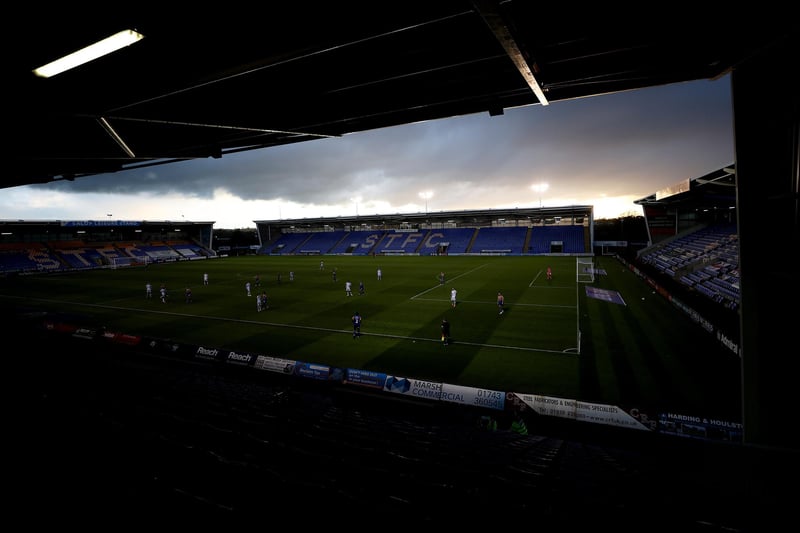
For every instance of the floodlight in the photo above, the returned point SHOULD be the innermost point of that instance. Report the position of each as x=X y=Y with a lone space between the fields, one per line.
x=90 y=53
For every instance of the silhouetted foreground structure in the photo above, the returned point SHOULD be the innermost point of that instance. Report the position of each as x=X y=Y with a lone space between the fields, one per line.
x=108 y=438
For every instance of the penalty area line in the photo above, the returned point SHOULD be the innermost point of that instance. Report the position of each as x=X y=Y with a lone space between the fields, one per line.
x=426 y=291
x=538 y=274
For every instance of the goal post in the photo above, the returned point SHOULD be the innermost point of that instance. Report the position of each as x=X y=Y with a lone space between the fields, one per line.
x=584 y=267
x=122 y=262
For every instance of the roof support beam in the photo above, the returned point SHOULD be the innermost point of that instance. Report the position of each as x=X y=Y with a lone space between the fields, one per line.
x=488 y=10
x=114 y=135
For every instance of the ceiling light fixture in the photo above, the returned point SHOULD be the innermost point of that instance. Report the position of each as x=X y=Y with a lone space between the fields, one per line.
x=90 y=53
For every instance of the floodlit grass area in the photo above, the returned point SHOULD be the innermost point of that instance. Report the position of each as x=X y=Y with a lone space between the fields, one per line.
x=551 y=339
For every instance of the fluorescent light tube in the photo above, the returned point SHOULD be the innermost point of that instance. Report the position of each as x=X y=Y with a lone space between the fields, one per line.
x=90 y=53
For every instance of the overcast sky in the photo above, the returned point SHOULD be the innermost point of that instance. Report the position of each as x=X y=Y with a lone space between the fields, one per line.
x=605 y=151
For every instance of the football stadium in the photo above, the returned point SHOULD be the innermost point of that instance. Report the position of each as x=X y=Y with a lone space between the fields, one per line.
x=407 y=368
x=586 y=333
x=576 y=329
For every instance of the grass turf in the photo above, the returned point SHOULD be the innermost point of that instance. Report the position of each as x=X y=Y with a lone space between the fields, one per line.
x=551 y=339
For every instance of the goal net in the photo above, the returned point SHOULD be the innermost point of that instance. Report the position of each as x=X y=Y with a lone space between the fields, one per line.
x=585 y=269
x=121 y=262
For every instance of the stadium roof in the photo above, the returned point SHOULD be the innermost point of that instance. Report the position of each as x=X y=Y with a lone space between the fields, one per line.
x=208 y=82
x=100 y=223
x=715 y=190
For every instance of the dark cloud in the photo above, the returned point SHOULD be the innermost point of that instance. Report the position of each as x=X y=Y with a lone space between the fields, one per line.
x=626 y=143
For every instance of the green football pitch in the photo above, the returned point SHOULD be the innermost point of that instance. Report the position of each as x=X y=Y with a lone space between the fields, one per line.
x=550 y=340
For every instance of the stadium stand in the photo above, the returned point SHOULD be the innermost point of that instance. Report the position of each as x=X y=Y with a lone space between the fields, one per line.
x=450 y=241
x=434 y=241
x=401 y=242
x=160 y=251
x=359 y=242
x=188 y=250
x=131 y=249
x=287 y=243
x=26 y=257
x=508 y=241
x=321 y=242
x=558 y=239
x=80 y=257
x=705 y=259
x=51 y=246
